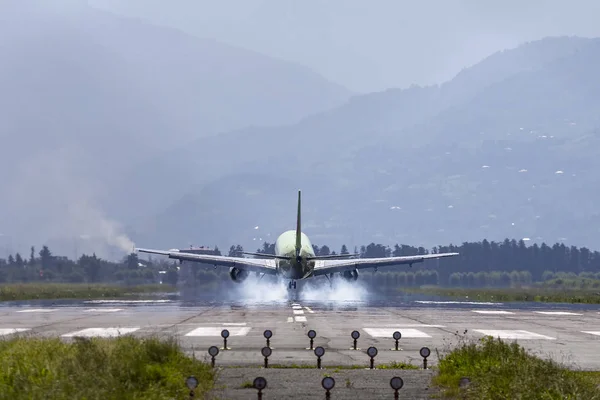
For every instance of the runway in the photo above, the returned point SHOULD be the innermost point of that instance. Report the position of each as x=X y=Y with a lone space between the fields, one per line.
x=565 y=333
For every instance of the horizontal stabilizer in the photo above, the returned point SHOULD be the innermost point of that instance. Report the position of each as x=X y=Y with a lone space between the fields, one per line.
x=264 y=255
x=334 y=257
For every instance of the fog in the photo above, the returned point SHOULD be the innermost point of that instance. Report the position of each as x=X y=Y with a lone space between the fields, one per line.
x=161 y=124
x=372 y=46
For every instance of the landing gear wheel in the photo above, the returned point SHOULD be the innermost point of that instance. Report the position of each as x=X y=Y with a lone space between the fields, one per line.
x=294 y=284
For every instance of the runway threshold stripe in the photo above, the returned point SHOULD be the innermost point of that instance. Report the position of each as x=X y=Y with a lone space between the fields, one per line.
x=290 y=319
x=10 y=331
x=513 y=334
x=309 y=310
x=557 y=313
x=300 y=319
x=389 y=332
x=101 y=332
x=216 y=331
x=38 y=310
x=492 y=312
x=596 y=333
x=298 y=312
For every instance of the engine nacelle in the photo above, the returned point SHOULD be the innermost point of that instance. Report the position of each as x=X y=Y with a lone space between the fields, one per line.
x=351 y=275
x=238 y=275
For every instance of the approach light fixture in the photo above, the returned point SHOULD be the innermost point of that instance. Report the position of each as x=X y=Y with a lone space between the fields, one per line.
x=396 y=383
x=266 y=352
x=319 y=352
x=355 y=335
x=372 y=352
x=259 y=384
x=192 y=383
x=312 y=335
x=213 y=351
x=397 y=336
x=328 y=383
x=424 y=352
x=268 y=335
x=225 y=335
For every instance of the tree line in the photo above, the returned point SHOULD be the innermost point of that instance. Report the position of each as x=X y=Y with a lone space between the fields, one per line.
x=484 y=263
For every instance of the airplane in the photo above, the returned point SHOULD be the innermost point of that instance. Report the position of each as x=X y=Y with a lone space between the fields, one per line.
x=295 y=259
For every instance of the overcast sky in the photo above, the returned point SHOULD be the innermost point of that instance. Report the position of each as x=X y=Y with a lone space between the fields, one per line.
x=376 y=44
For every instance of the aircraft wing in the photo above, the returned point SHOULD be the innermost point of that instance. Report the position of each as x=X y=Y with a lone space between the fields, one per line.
x=323 y=267
x=250 y=264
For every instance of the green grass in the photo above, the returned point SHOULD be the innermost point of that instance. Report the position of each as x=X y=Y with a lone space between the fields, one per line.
x=55 y=291
x=501 y=370
x=537 y=294
x=90 y=369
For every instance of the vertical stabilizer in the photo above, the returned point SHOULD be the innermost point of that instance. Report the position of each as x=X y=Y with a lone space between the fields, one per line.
x=298 y=228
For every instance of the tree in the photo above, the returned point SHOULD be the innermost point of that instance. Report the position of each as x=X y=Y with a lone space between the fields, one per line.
x=344 y=250
x=19 y=260
x=46 y=257
x=132 y=261
x=11 y=260
x=324 y=251
x=236 y=251
x=32 y=256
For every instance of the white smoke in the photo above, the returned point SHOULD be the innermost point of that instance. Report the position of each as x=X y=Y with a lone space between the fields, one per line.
x=319 y=289
x=52 y=202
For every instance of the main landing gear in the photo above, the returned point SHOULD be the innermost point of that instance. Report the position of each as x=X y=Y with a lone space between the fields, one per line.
x=292 y=285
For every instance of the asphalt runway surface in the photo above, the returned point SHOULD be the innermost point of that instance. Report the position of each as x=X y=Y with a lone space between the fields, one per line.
x=566 y=333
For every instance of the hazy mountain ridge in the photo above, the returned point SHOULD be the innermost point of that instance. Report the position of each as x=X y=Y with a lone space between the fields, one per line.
x=87 y=95
x=463 y=173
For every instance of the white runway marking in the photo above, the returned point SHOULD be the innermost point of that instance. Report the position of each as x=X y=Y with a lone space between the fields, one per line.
x=127 y=301
x=300 y=319
x=557 y=313
x=402 y=326
x=597 y=333
x=309 y=310
x=234 y=323
x=389 y=332
x=295 y=304
x=492 y=312
x=38 y=310
x=10 y=331
x=104 y=310
x=216 y=331
x=297 y=307
x=101 y=332
x=509 y=334
x=298 y=312
x=290 y=319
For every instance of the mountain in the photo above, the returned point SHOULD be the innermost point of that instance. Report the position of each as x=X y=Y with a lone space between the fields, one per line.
x=505 y=149
x=87 y=96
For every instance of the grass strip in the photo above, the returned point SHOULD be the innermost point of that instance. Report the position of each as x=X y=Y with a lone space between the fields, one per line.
x=98 y=368
x=56 y=291
x=545 y=295
x=502 y=370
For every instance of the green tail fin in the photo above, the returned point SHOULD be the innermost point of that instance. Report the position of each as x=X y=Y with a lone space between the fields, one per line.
x=298 y=228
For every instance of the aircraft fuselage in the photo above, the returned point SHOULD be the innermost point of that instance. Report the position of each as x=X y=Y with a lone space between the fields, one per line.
x=285 y=245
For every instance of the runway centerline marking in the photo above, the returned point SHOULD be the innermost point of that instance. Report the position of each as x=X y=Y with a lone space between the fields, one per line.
x=300 y=319
x=10 y=331
x=556 y=313
x=298 y=312
x=389 y=332
x=297 y=307
x=101 y=332
x=234 y=323
x=512 y=334
x=290 y=319
x=103 y=310
x=216 y=331
x=38 y=310
x=492 y=312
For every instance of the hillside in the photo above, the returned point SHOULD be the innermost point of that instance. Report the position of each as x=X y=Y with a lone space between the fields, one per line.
x=506 y=149
x=87 y=95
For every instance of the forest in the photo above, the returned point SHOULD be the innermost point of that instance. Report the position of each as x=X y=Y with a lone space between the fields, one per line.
x=486 y=263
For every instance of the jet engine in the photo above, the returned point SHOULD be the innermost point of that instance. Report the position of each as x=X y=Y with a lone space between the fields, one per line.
x=238 y=275
x=351 y=275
